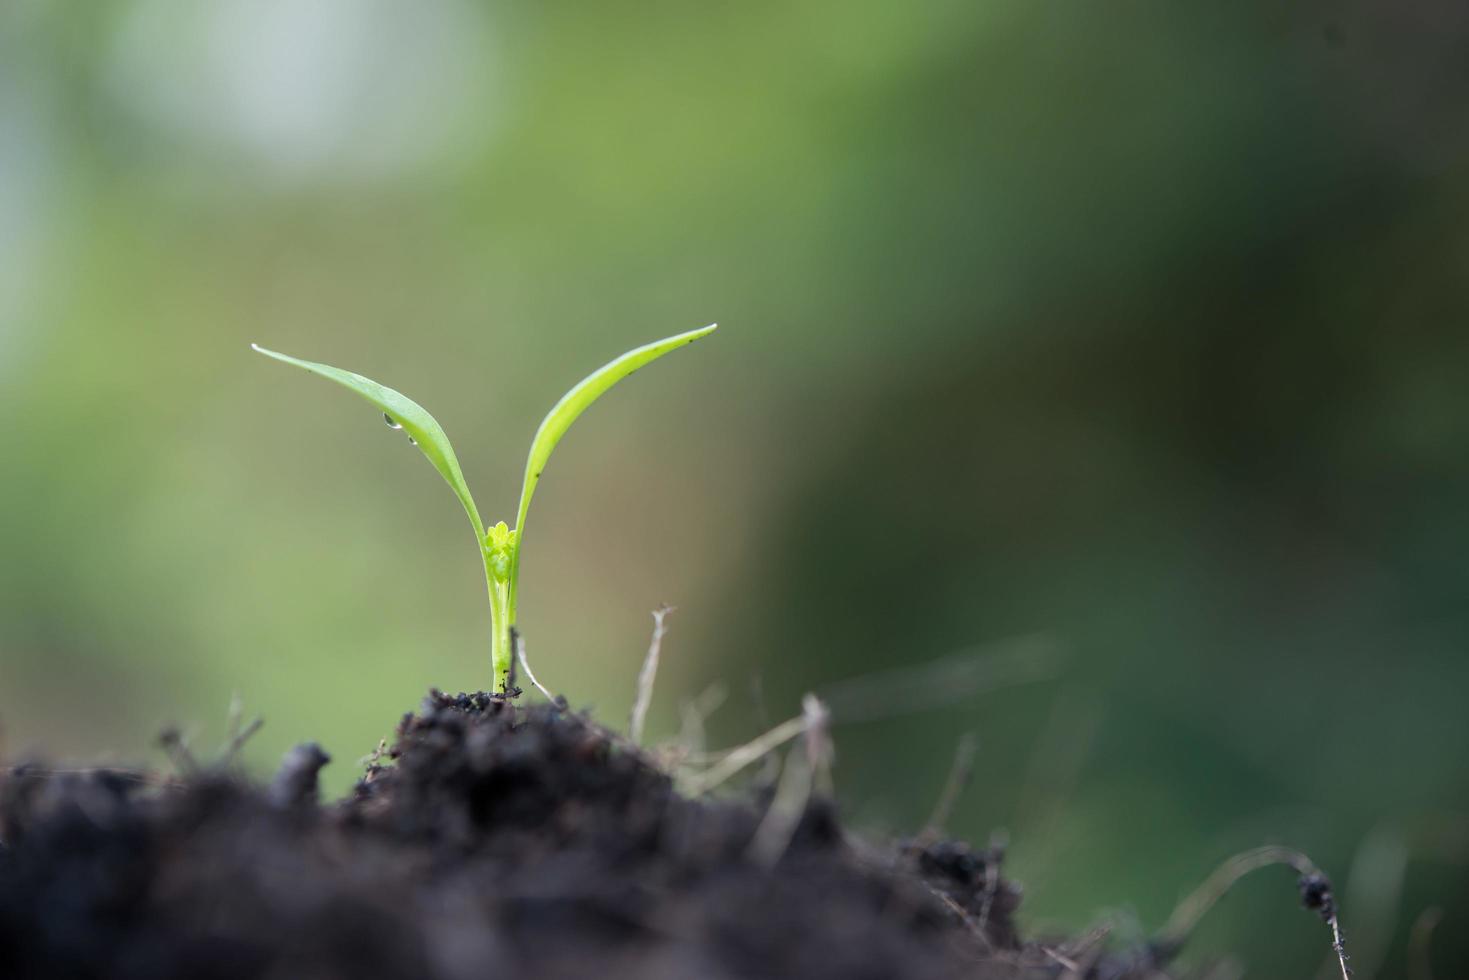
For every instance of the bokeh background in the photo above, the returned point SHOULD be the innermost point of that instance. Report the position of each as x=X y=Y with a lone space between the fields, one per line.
x=1138 y=329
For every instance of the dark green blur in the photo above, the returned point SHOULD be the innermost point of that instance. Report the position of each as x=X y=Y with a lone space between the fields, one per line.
x=1140 y=326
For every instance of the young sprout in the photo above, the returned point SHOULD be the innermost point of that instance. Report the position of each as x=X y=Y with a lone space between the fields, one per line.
x=499 y=545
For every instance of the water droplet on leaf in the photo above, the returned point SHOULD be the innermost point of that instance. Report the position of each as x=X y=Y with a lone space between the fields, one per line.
x=391 y=424
x=412 y=441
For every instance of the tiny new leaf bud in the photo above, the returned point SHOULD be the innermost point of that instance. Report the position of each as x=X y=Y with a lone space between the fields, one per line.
x=499 y=548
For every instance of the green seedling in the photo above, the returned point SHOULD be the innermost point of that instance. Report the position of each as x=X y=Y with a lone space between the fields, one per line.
x=500 y=545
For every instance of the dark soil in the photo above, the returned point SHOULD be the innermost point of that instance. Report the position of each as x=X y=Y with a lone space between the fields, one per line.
x=494 y=841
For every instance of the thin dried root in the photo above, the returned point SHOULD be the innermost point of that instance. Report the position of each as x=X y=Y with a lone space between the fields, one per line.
x=805 y=772
x=1070 y=965
x=964 y=917
x=960 y=773
x=1079 y=955
x=919 y=687
x=173 y=743
x=646 y=677
x=239 y=738
x=1316 y=895
x=779 y=824
x=692 y=714
x=733 y=761
x=518 y=642
x=820 y=752
x=999 y=842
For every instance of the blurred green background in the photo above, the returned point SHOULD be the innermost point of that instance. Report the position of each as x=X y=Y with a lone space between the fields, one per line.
x=1138 y=326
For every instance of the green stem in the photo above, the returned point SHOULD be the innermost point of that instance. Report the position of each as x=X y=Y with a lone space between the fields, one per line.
x=500 y=622
x=498 y=548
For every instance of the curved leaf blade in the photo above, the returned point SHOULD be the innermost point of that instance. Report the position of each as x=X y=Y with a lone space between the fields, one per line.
x=576 y=401
x=414 y=419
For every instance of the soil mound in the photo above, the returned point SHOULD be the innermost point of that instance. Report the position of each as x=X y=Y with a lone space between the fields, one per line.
x=492 y=840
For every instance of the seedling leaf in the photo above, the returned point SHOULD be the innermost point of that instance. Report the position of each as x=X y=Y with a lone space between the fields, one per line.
x=576 y=401
x=401 y=411
x=500 y=545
